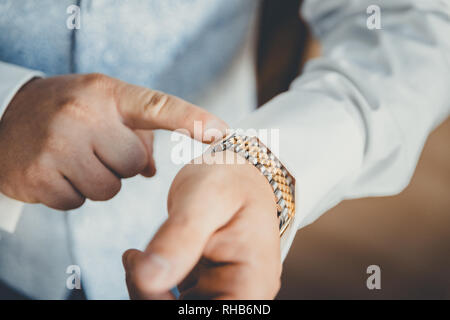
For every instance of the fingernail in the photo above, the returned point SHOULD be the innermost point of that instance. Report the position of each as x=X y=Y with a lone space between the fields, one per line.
x=154 y=269
x=215 y=129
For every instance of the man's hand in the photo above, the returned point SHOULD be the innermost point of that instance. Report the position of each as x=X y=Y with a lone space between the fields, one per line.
x=67 y=138
x=221 y=239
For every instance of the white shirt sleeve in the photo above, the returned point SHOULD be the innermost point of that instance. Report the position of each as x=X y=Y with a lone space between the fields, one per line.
x=12 y=78
x=354 y=123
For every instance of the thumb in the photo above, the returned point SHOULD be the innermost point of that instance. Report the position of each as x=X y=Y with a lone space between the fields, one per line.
x=169 y=257
x=129 y=259
x=142 y=108
x=179 y=243
x=195 y=213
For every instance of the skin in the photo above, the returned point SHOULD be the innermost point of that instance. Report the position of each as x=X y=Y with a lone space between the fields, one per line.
x=72 y=137
x=221 y=240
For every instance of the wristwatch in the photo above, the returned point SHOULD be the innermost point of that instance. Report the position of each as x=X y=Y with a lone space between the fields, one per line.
x=281 y=181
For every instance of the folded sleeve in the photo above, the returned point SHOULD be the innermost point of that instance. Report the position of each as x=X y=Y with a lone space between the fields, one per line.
x=354 y=123
x=12 y=78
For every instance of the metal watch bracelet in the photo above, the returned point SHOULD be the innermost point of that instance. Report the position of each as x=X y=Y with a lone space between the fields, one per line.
x=282 y=182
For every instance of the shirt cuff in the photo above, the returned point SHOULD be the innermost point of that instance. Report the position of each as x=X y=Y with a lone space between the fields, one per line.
x=12 y=78
x=10 y=213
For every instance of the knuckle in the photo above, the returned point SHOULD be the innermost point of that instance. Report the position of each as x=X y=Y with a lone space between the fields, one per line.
x=140 y=162
x=76 y=202
x=36 y=176
x=113 y=189
x=55 y=145
x=70 y=202
x=68 y=102
x=43 y=183
x=156 y=104
x=97 y=80
x=136 y=160
x=76 y=108
x=107 y=189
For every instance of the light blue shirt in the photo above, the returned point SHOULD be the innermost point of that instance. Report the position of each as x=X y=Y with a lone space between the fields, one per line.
x=352 y=125
x=152 y=43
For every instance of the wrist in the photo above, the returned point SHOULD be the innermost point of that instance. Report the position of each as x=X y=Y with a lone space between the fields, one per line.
x=18 y=96
x=12 y=79
x=277 y=176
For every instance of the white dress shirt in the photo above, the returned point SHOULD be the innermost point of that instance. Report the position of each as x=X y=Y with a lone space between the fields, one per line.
x=352 y=125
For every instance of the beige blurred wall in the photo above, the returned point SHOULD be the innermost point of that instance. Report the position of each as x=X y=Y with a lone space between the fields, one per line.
x=407 y=235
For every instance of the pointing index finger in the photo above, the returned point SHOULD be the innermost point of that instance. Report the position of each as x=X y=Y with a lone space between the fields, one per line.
x=142 y=108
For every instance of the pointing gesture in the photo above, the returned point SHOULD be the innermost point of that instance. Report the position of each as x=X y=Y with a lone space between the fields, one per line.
x=73 y=137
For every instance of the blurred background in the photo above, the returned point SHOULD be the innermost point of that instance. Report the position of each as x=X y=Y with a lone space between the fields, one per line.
x=407 y=236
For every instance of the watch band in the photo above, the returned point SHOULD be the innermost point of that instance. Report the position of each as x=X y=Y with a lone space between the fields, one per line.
x=282 y=182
